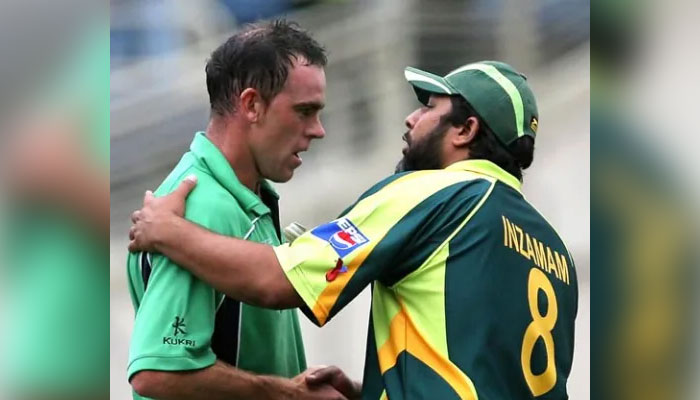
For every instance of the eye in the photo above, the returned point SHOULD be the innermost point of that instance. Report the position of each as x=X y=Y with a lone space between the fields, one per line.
x=306 y=112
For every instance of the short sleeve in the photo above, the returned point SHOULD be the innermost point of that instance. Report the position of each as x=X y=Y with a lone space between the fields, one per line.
x=378 y=238
x=174 y=322
x=176 y=315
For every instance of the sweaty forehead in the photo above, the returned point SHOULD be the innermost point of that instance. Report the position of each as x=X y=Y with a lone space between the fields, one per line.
x=306 y=82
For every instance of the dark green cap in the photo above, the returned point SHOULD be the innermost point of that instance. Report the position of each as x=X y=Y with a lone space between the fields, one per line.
x=499 y=94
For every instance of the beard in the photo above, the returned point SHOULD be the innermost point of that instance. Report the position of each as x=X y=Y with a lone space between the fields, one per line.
x=425 y=153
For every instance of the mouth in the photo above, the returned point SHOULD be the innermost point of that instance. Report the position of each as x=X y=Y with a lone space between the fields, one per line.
x=296 y=155
x=406 y=139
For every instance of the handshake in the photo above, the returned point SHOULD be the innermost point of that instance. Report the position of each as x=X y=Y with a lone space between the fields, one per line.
x=326 y=383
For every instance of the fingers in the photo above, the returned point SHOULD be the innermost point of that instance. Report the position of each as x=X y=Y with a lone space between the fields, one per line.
x=186 y=185
x=148 y=197
x=335 y=377
x=135 y=216
x=301 y=378
x=322 y=375
x=313 y=369
x=327 y=383
x=133 y=241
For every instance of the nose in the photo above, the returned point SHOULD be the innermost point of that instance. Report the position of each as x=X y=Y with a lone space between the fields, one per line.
x=411 y=119
x=316 y=130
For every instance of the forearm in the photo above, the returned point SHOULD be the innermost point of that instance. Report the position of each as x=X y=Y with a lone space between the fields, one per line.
x=243 y=270
x=218 y=382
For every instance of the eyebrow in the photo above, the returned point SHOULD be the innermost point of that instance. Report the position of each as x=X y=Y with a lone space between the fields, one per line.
x=313 y=105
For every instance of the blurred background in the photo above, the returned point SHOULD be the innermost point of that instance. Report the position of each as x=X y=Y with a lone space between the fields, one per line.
x=159 y=99
x=54 y=200
x=644 y=196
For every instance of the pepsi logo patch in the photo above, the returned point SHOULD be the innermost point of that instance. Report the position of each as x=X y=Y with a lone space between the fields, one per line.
x=342 y=235
x=342 y=240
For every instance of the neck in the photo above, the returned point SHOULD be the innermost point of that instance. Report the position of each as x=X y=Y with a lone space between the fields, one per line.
x=229 y=138
x=453 y=157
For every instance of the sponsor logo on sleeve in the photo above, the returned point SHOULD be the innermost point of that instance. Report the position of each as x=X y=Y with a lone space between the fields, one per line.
x=178 y=329
x=342 y=235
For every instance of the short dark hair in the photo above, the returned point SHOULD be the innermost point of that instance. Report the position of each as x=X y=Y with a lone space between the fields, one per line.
x=513 y=158
x=259 y=57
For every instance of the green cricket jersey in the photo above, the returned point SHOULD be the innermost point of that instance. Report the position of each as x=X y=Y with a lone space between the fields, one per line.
x=184 y=324
x=474 y=293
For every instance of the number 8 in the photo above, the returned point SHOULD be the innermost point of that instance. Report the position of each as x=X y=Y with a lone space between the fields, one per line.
x=540 y=327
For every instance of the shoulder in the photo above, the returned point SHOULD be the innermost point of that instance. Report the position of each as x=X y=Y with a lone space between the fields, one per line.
x=209 y=204
x=422 y=194
x=382 y=184
x=434 y=185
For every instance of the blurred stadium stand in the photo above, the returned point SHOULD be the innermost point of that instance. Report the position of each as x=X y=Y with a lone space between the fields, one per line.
x=159 y=99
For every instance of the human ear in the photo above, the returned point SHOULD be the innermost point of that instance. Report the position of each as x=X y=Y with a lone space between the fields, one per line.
x=251 y=104
x=466 y=132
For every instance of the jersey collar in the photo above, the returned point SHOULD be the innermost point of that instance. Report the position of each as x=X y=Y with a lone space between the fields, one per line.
x=210 y=156
x=485 y=167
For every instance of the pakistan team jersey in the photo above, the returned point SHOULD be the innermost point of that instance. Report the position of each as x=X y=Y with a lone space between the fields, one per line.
x=474 y=294
x=184 y=324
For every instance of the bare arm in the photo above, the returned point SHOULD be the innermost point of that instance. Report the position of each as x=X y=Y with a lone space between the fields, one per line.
x=243 y=270
x=224 y=382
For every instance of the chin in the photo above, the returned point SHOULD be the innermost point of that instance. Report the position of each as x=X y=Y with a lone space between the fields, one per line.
x=400 y=166
x=282 y=177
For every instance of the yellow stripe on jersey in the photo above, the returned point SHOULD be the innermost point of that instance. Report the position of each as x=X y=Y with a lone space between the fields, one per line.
x=374 y=215
x=427 y=313
x=404 y=336
x=428 y=310
x=484 y=167
x=385 y=307
x=325 y=301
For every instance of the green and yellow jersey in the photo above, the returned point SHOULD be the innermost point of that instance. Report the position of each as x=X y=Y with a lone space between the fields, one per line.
x=474 y=293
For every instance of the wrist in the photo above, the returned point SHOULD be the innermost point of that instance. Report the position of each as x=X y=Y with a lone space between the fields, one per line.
x=273 y=388
x=163 y=235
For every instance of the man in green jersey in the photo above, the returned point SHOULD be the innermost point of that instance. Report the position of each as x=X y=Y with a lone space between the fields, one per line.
x=266 y=87
x=474 y=293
